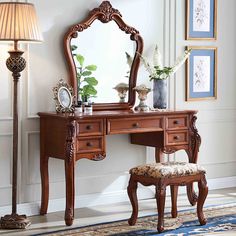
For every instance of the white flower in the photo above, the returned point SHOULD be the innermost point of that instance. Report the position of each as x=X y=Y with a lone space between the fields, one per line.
x=129 y=59
x=180 y=61
x=147 y=65
x=157 y=59
x=157 y=71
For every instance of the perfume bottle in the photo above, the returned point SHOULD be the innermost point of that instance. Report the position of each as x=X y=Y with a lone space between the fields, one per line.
x=88 y=108
x=79 y=107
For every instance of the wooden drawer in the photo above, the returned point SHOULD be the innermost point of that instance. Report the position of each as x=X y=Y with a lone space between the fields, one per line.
x=90 y=144
x=177 y=122
x=90 y=127
x=134 y=125
x=177 y=137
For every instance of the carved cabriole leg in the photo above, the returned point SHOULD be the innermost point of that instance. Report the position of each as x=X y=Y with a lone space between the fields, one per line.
x=174 y=193
x=203 y=191
x=44 y=184
x=132 y=193
x=160 y=199
x=195 y=142
x=173 y=189
x=69 y=172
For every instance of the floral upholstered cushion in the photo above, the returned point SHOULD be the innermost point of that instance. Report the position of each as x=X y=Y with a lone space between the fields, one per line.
x=167 y=169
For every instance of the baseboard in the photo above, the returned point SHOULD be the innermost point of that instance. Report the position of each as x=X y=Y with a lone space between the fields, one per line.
x=108 y=198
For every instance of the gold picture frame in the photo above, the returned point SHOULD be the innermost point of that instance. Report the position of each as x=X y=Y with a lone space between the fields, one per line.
x=64 y=97
x=193 y=34
x=201 y=73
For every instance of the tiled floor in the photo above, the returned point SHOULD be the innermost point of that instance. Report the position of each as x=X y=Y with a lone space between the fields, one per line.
x=106 y=213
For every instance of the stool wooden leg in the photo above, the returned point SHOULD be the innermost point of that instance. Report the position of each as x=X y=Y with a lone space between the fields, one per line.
x=203 y=191
x=174 y=193
x=132 y=193
x=160 y=199
x=192 y=196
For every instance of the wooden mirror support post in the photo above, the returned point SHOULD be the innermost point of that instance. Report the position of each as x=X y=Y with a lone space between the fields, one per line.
x=19 y=23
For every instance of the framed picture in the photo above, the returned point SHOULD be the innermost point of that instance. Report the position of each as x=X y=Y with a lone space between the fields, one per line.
x=201 y=73
x=201 y=20
x=64 y=97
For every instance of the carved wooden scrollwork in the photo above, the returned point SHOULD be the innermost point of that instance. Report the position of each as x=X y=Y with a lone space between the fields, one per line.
x=70 y=146
x=203 y=181
x=195 y=141
x=106 y=12
x=78 y=27
x=99 y=157
x=160 y=188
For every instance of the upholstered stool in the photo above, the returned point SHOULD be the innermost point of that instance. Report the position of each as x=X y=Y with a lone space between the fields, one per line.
x=162 y=175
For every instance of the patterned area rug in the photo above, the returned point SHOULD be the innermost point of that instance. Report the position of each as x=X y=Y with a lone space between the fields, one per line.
x=220 y=219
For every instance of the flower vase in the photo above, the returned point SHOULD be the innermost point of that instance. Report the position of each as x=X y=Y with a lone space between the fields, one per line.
x=160 y=93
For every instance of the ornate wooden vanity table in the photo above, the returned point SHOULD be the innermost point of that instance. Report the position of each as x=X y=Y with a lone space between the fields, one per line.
x=70 y=137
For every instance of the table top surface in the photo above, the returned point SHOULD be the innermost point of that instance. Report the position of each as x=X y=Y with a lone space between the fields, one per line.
x=116 y=114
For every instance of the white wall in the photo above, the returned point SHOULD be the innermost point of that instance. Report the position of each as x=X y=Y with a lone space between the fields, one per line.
x=159 y=21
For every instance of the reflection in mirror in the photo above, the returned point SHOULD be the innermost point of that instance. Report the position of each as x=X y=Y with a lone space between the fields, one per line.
x=105 y=46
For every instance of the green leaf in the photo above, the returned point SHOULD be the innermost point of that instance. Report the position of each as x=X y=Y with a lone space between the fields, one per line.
x=78 y=75
x=80 y=59
x=89 y=90
x=86 y=73
x=91 y=67
x=91 y=81
x=73 y=48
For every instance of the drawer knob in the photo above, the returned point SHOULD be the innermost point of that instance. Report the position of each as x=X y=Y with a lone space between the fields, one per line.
x=89 y=144
x=176 y=122
x=136 y=125
x=89 y=127
x=176 y=137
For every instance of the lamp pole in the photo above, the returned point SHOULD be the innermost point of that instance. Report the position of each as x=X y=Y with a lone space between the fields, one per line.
x=16 y=64
x=18 y=23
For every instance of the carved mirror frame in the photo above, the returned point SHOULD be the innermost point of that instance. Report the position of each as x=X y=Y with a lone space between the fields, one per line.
x=105 y=13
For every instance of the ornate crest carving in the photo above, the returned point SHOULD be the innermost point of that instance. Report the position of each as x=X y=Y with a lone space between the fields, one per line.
x=105 y=11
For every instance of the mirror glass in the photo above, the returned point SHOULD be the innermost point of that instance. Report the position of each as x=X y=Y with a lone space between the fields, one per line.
x=105 y=46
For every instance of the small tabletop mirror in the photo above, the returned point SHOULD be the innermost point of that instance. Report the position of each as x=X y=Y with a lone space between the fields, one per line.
x=103 y=59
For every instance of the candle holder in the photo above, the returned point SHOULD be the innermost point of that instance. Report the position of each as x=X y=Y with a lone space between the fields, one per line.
x=142 y=91
x=122 y=89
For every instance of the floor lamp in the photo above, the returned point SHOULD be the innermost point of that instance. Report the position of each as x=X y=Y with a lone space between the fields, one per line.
x=18 y=22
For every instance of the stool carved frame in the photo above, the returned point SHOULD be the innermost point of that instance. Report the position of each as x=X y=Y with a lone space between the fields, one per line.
x=161 y=184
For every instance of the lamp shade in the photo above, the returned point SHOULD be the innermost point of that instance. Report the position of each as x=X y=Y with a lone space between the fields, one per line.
x=18 y=22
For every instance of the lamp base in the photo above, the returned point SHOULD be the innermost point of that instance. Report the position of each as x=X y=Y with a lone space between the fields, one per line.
x=14 y=221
